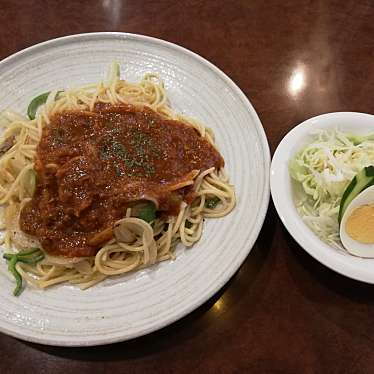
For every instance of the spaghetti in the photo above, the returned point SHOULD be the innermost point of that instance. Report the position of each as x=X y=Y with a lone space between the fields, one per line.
x=152 y=221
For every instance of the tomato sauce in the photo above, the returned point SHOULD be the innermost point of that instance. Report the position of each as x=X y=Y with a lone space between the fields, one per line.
x=92 y=166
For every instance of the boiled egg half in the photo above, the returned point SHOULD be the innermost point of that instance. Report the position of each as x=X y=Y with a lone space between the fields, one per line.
x=357 y=225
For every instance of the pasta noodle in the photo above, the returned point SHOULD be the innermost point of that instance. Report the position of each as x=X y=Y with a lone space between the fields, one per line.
x=136 y=243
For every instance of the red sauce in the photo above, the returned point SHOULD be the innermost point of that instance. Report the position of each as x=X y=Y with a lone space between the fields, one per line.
x=91 y=166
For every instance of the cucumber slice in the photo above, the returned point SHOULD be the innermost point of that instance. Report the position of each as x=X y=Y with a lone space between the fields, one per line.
x=363 y=180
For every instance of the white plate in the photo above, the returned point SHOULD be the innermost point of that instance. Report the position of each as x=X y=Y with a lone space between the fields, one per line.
x=134 y=305
x=280 y=185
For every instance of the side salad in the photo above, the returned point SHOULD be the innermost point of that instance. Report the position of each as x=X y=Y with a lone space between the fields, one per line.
x=322 y=170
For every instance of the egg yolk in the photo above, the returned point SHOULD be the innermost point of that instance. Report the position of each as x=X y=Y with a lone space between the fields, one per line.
x=360 y=224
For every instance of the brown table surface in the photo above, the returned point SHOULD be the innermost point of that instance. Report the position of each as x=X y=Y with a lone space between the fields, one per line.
x=282 y=312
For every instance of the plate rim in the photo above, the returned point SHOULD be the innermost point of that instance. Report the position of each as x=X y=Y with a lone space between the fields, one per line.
x=261 y=214
x=310 y=241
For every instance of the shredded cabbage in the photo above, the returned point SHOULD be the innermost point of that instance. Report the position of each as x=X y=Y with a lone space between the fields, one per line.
x=323 y=169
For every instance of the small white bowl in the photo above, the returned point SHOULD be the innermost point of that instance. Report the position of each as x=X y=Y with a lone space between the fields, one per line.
x=361 y=269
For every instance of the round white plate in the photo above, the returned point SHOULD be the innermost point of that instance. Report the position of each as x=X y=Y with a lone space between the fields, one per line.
x=136 y=304
x=281 y=191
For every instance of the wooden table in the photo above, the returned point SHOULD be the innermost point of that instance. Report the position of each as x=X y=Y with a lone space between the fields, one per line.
x=282 y=312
